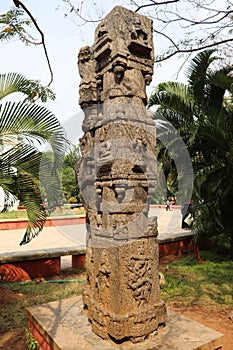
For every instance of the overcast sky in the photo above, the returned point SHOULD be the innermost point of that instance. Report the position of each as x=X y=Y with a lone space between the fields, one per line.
x=63 y=40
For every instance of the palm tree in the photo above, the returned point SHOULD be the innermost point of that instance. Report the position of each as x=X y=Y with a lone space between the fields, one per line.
x=25 y=128
x=204 y=119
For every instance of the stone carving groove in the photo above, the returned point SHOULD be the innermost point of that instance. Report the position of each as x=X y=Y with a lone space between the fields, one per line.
x=117 y=176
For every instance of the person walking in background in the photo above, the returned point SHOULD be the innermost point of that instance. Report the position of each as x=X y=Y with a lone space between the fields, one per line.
x=172 y=202
x=168 y=205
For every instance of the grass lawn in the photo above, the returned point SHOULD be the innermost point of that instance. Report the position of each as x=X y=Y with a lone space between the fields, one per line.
x=16 y=297
x=22 y=214
x=207 y=286
x=190 y=283
x=14 y=214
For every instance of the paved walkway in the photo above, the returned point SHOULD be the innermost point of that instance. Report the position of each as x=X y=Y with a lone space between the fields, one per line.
x=169 y=226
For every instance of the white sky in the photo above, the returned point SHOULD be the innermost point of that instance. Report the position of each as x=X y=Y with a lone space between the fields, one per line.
x=63 y=40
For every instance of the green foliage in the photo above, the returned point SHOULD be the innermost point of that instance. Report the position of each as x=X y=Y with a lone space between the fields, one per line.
x=69 y=176
x=30 y=340
x=168 y=169
x=188 y=282
x=204 y=119
x=22 y=214
x=15 y=82
x=13 y=314
x=13 y=214
x=24 y=168
x=14 y=25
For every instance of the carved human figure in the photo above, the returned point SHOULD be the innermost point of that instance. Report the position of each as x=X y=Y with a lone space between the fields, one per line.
x=105 y=149
x=121 y=297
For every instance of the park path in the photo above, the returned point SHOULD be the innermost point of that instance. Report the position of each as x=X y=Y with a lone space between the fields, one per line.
x=169 y=226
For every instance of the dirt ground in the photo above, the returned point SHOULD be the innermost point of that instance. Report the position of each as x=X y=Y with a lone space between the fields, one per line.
x=15 y=338
x=219 y=320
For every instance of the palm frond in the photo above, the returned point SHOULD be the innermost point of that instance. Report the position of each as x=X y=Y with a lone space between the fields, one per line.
x=26 y=159
x=222 y=79
x=24 y=127
x=23 y=186
x=174 y=96
x=206 y=126
x=32 y=122
x=15 y=82
x=197 y=74
x=28 y=192
x=218 y=82
x=12 y=82
x=24 y=171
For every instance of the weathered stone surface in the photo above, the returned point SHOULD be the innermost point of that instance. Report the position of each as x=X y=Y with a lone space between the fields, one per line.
x=122 y=292
x=117 y=176
x=64 y=325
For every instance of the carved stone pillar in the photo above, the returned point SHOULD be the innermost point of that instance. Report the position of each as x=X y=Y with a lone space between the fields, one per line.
x=117 y=176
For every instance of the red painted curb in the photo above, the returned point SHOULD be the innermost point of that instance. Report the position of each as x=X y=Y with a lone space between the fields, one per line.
x=21 y=223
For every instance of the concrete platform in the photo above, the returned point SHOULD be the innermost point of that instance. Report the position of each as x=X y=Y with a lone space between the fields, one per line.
x=61 y=325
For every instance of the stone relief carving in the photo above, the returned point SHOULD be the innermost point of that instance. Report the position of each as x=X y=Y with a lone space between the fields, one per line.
x=140 y=278
x=117 y=175
x=103 y=278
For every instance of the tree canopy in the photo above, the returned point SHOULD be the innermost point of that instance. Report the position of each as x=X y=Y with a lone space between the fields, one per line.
x=202 y=113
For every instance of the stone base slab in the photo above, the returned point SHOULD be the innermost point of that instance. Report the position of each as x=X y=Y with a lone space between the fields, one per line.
x=62 y=325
